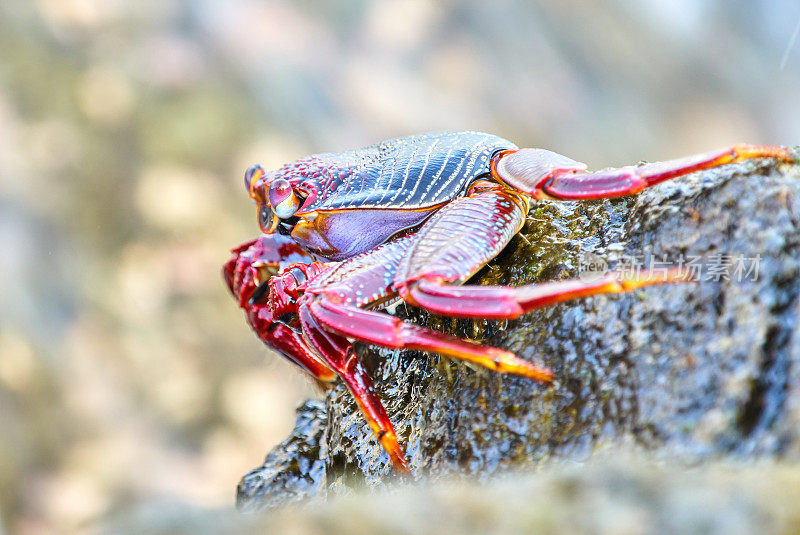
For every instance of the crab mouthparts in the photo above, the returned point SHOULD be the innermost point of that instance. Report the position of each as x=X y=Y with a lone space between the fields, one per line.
x=259 y=294
x=266 y=270
x=285 y=226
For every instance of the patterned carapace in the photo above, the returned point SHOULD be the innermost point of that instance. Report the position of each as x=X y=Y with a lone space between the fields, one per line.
x=419 y=171
x=414 y=218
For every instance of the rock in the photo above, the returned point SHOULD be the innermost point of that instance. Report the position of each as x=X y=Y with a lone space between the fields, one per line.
x=624 y=496
x=687 y=372
x=619 y=493
x=294 y=470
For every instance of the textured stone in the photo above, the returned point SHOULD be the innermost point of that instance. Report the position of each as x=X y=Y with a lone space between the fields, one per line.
x=294 y=470
x=684 y=371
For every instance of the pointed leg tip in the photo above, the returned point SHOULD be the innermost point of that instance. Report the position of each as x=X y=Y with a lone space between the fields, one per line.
x=518 y=366
x=401 y=468
x=744 y=151
x=630 y=282
x=544 y=376
x=396 y=454
x=547 y=376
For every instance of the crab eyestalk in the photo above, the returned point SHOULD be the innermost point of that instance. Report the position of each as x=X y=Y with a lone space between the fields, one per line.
x=253 y=183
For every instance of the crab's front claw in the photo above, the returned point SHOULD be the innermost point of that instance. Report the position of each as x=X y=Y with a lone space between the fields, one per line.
x=249 y=274
x=274 y=310
x=234 y=268
x=254 y=262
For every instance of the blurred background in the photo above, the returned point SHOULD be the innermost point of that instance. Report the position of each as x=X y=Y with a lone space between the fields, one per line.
x=129 y=380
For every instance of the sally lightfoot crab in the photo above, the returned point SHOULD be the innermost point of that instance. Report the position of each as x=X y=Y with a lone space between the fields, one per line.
x=414 y=218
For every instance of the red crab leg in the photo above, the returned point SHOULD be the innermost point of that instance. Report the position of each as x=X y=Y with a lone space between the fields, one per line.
x=461 y=237
x=241 y=273
x=506 y=302
x=290 y=344
x=546 y=175
x=339 y=355
x=335 y=299
x=387 y=331
x=322 y=354
x=436 y=263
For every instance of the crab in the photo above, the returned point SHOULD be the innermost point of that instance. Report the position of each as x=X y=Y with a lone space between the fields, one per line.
x=412 y=219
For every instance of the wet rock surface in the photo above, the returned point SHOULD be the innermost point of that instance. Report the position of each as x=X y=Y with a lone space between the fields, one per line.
x=294 y=470
x=687 y=372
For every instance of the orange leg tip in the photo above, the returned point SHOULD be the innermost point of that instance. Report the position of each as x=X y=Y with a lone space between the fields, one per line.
x=388 y=439
x=543 y=375
x=402 y=468
x=632 y=282
x=516 y=366
x=744 y=151
x=535 y=373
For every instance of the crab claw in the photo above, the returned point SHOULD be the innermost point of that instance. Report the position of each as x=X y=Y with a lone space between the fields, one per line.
x=248 y=274
x=271 y=305
x=268 y=254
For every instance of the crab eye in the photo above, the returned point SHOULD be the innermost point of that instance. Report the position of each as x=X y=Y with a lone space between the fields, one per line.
x=252 y=182
x=266 y=219
x=282 y=198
